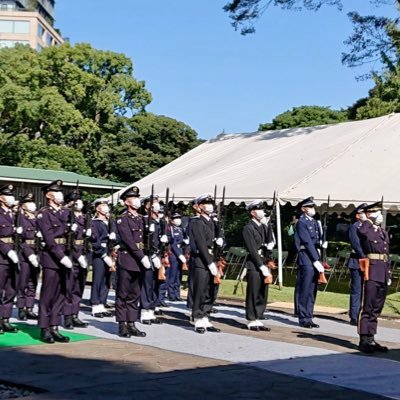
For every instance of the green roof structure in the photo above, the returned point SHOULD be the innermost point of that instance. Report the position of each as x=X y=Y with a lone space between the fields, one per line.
x=33 y=175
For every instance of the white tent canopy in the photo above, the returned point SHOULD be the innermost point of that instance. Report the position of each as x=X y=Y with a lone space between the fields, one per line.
x=352 y=162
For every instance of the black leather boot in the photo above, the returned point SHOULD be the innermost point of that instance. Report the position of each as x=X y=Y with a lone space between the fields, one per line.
x=78 y=323
x=123 y=330
x=135 y=331
x=57 y=335
x=68 y=322
x=1 y=326
x=365 y=345
x=30 y=314
x=7 y=327
x=377 y=346
x=46 y=336
x=22 y=314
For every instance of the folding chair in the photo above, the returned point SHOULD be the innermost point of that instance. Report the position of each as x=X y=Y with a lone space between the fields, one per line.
x=236 y=259
x=333 y=263
x=343 y=258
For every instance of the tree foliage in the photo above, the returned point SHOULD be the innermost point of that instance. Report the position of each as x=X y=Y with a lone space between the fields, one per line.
x=81 y=109
x=305 y=116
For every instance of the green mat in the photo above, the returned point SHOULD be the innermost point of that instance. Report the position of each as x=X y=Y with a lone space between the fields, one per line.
x=28 y=335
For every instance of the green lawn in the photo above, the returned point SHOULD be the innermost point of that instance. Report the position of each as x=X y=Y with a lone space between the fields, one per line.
x=337 y=296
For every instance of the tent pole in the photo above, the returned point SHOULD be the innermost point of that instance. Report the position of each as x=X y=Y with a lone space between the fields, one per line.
x=279 y=238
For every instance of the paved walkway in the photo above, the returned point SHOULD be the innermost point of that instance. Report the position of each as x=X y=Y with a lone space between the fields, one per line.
x=172 y=361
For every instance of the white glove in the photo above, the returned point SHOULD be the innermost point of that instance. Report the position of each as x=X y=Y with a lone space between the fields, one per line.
x=324 y=245
x=19 y=230
x=164 y=239
x=112 y=236
x=220 y=242
x=66 y=262
x=186 y=240
x=152 y=228
x=34 y=260
x=270 y=245
x=88 y=232
x=146 y=262
x=39 y=234
x=213 y=269
x=82 y=261
x=108 y=261
x=182 y=258
x=156 y=262
x=74 y=227
x=265 y=270
x=13 y=256
x=318 y=266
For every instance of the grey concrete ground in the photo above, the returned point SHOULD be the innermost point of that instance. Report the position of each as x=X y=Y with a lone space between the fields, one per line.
x=174 y=362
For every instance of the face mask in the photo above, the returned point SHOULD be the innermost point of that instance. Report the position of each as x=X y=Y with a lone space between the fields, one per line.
x=260 y=214
x=362 y=217
x=264 y=220
x=160 y=215
x=177 y=222
x=310 y=212
x=104 y=209
x=156 y=207
x=135 y=203
x=208 y=208
x=78 y=205
x=58 y=197
x=9 y=200
x=31 y=207
x=378 y=219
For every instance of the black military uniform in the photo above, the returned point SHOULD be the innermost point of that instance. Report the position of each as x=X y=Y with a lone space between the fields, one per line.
x=255 y=235
x=203 y=235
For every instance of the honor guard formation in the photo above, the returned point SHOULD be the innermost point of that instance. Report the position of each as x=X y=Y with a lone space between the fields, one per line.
x=143 y=251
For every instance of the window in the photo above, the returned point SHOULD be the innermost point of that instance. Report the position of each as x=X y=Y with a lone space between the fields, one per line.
x=14 y=26
x=38 y=47
x=21 y=27
x=12 y=43
x=49 y=38
x=40 y=31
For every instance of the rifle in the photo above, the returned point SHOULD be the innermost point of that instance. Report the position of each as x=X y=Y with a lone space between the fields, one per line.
x=17 y=238
x=322 y=278
x=87 y=243
x=270 y=238
x=218 y=250
x=110 y=243
x=71 y=222
x=164 y=246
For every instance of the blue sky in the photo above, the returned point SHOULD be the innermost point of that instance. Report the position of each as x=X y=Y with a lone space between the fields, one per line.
x=201 y=72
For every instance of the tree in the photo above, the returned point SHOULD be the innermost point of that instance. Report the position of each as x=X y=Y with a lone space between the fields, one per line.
x=305 y=116
x=374 y=37
x=148 y=142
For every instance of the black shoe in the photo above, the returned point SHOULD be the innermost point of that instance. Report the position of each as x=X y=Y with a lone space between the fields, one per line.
x=57 y=335
x=146 y=321
x=98 y=315
x=179 y=299
x=353 y=322
x=307 y=325
x=254 y=328
x=264 y=328
x=378 y=347
x=46 y=336
x=78 y=323
x=123 y=330
x=163 y=304
x=313 y=325
x=213 y=311
x=7 y=327
x=22 y=314
x=68 y=324
x=213 y=329
x=31 y=315
x=135 y=331
x=158 y=312
x=107 y=314
x=366 y=348
x=108 y=305
x=200 y=330
x=156 y=321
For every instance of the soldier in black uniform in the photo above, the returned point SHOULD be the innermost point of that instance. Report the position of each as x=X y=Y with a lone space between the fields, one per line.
x=375 y=245
x=76 y=279
x=131 y=263
x=255 y=237
x=203 y=235
x=8 y=258
x=152 y=242
x=29 y=265
x=53 y=225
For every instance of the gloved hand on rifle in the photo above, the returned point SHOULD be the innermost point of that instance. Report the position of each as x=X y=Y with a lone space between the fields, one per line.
x=324 y=245
x=182 y=258
x=219 y=242
x=186 y=240
x=164 y=239
x=146 y=262
x=112 y=236
x=213 y=269
x=13 y=256
x=318 y=266
x=108 y=260
x=19 y=230
x=34 y=260
x=83 y=261
x=265 y=270
x=88 y=232
x=270 y=245
x=156 y=262
x=66 y=262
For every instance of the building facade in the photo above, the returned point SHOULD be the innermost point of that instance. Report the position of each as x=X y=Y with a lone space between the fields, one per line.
x=28 y=22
